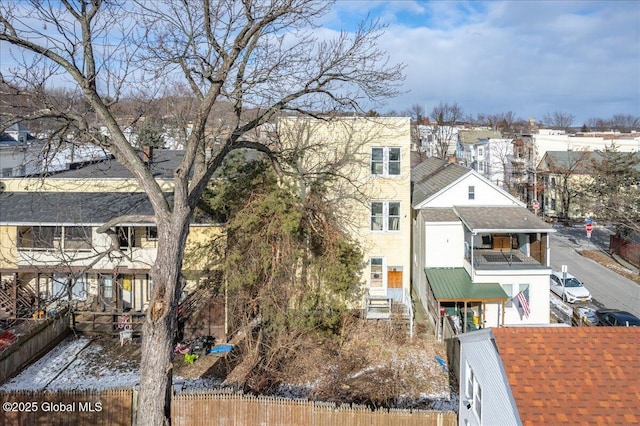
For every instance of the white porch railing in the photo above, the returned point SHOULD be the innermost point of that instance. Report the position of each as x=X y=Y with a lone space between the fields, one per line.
x=406 y=299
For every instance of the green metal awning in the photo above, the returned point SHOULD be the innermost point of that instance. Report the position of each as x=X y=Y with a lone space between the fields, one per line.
x=454 y=285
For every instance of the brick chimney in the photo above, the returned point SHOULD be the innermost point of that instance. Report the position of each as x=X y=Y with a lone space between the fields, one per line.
x=452 y=159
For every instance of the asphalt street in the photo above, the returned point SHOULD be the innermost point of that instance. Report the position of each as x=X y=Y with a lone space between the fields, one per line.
x=608 y=288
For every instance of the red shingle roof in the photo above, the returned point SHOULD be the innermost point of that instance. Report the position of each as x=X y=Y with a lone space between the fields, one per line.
x=573 y=375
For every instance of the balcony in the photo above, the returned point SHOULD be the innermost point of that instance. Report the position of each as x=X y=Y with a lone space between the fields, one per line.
x=495 y=260
x=497 y=251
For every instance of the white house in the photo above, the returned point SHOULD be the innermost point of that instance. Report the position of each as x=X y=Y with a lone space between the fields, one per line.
x=22 y=154
x=431 y=136
x=481 y=259
x=558 y=141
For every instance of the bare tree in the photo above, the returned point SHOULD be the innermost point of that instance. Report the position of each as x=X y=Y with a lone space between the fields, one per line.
x=614 y=193
x=446 y=118
x=567 y=167
x=625 y=122
x=558 y=120
x=501 y=154
x=417 y=113
x=620 y=122
x=261 y=58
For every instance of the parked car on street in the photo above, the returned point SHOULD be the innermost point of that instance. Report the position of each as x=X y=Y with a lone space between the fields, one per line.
x=616 y=317
x=571 y=290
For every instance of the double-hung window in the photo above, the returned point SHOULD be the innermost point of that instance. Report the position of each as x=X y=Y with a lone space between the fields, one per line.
x=385 y=161
x=385 y=216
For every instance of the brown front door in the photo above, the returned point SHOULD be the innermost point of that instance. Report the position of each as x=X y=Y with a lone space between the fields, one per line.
x=394 y=278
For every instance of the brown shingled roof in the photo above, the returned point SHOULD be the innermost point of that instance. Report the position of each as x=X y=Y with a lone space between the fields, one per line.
x=573 y=375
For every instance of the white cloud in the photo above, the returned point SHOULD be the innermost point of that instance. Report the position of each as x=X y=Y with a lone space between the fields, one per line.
x=531 y=58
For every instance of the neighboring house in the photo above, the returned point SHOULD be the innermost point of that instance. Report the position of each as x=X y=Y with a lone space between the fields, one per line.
x=430 y=136
x=476 y=249
x=467 y=138
x=550 y=376
x=563 y=174
x=372 y=156
x=12 y=157
x=549 y=140
x=50 y=247
x=16 y=148
x=492 y=158
x=524 y=179
x=21 y=154
x=564 y=177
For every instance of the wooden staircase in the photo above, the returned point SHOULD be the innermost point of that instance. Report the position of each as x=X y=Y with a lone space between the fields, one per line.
x=398 y=313
x=22 y=308
x=378 y=307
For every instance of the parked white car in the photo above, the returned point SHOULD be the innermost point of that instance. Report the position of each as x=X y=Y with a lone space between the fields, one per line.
x=571 y=291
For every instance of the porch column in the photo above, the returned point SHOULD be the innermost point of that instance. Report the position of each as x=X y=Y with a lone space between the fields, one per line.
x=464 y=320
x=548 y=254
x=38 y=293
x=503 y=311
x=471 y=257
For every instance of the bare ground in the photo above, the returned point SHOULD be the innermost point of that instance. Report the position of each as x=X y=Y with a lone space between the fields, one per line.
x=374 y=365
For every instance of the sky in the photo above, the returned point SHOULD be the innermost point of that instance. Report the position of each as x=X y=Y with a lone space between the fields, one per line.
x=529 y=57
x=532 y=58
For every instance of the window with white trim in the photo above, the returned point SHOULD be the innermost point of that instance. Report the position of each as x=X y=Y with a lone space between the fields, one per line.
x=376 y=265
x=477 y=400
x=473 y=392
x=385 y=216
x=472 y=192
x=385 y=161
x=468 y=389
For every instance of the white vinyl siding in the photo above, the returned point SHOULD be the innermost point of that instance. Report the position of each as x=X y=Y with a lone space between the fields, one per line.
x=385 y=216
x=385 y=161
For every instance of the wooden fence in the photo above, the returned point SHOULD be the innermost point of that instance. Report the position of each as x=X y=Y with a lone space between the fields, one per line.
x=230 y=409
x=629 y=250
x=115 y=407
x=34 y=337
x=107 y=407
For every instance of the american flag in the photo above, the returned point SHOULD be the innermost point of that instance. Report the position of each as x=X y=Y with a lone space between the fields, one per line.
x=524 y=303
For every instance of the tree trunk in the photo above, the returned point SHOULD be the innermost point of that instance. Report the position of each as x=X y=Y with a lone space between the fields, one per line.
x=154 y=400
